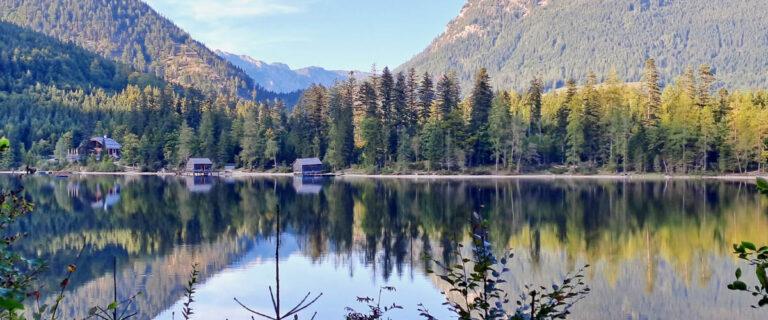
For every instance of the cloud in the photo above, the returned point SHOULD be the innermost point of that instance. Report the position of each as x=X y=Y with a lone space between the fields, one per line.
x=213 y=10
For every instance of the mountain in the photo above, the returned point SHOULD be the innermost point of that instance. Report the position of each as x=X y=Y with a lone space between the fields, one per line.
x=28 y=58
x=279 y=77
x=131 y=32
x=517 y=40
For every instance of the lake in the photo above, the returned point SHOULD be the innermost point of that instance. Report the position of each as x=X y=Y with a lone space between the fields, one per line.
x=657 y=249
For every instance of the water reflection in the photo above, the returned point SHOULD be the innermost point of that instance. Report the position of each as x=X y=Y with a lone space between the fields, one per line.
x=660 y=249
x=201 y=184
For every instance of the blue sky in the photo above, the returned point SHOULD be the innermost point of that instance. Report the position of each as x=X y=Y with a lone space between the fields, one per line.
x=335 y=34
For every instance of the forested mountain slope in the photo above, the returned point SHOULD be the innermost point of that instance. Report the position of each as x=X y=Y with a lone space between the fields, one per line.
x=28 y=58
x=518 y=40
x=54 y=95
x=131 y=32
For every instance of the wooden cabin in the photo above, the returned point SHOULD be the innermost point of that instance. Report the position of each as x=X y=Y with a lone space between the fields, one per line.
x=96 y=147
x=199 y=166
x=308 y=167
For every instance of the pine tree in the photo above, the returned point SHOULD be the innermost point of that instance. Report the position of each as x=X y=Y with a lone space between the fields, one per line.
x=186 y=144
x=433 y=142
x=401 y=116
x=591 y=120
x=575 y=135
x=341 y=140
x=652 y=91
x=131 y=149
x=447 y=95
x=412 y=100
x=533 y=100
x=207 y=135
x=481 y=103
x=706 y=80
x=249 y=144
x=272 y=147
x=563 y=113
x=426 y=95
x=62 y=147
x=499 y=129
x=374 y=149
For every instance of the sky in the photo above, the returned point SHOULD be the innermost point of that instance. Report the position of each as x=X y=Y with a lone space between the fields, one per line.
x=334 y=34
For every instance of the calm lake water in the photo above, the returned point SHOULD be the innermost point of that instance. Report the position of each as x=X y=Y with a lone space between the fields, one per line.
x=658 y=249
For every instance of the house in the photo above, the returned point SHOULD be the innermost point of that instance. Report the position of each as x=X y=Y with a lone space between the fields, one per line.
x=100 y=145
x=307 y=166
x=199 y=166
x=95 y=147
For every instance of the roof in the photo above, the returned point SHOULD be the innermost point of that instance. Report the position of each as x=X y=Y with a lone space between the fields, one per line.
x=308 y=161
x=199 y=161
x=109 y=143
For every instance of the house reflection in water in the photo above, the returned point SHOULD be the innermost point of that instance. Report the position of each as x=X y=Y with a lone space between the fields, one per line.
x=308 y=185
x=199 y=184
x=106 y=200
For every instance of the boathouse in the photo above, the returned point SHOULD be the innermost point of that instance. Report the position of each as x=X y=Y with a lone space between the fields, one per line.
x=308 y=166
x=199 y=166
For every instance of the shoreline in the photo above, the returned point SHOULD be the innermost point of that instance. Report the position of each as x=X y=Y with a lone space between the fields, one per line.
x=532 y=176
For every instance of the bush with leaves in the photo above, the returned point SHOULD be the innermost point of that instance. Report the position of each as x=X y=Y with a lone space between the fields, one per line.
x=17 y=273
x=475 y=286
x=756 y=257
x=375 y=310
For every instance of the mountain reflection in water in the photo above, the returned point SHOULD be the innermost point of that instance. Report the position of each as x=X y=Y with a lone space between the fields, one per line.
x=659 y=249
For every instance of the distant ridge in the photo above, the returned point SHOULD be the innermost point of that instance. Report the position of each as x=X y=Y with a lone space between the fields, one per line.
x=280 y=78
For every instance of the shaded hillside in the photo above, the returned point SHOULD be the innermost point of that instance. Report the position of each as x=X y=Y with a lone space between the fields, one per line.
x=558 y=39
x=29 y=58
x=279 y=77
x=133 y=33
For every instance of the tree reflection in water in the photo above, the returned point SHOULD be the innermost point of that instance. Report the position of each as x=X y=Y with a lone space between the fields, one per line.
x=631 y=232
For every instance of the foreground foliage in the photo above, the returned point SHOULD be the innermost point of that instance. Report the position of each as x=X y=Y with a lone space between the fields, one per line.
x=756 y=258
x=476 y=286
x=477 y=290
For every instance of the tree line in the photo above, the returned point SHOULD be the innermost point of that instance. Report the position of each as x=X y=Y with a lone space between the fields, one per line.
x=399 y=122
x=407 y=122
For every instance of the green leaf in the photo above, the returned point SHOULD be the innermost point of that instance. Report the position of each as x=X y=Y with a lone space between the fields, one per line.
x=738 y=285
x=738 y=273
x=762 y=185
x=112 y=306
x=10 y=304
x=761 y=275
x=748 y=245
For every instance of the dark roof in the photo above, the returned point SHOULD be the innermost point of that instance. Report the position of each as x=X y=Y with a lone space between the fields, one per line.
x=308 y=161
x=109 y=143
x=199 y=161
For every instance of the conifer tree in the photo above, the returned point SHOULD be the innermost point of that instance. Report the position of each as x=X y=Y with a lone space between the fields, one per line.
x=480 y=108
x=653 y=92
x=341 y=140
x=563 y=113
x=249 y=143
x=446 y=95
x=500 y=133
x=591 y=120
x=185 y=145
x=706 y=80
x=533 y=100
x=426 y=95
